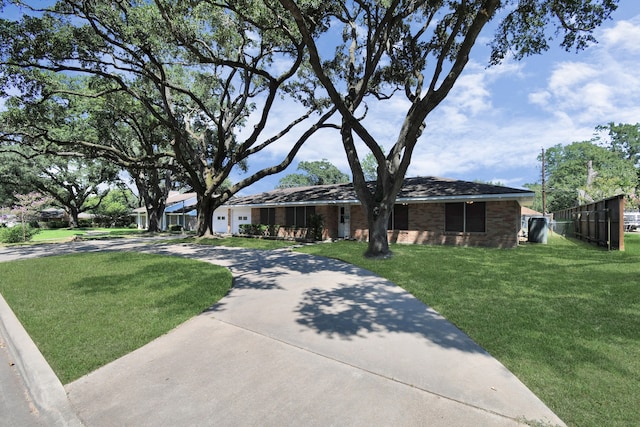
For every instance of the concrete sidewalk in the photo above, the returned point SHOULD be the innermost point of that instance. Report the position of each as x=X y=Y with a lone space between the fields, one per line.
x=303 y=340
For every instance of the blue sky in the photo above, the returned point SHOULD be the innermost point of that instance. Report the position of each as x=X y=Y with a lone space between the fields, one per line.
x=495 y=122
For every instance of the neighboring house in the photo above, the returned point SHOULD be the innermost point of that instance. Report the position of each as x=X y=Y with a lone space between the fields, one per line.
x=180 y=209
x=428 y=210
x=57 y=214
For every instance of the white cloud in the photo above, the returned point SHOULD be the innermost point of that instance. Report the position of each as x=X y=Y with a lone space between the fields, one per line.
x=602 y=87
x=624 y=35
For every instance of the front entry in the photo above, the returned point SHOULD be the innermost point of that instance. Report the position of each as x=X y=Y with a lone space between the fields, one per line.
x=343 y=222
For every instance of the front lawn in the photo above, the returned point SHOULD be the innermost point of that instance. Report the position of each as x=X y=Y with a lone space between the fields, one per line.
x=85 y=310
x=62 y=234
x=235 y=242
x=563 y=317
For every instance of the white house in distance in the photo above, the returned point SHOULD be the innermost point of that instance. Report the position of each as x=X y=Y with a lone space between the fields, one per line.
x=181 y=210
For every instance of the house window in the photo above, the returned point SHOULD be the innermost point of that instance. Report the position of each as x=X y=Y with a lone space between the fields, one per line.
x=469 y=217
x=221 y=218
x=298 y=216
x=399 y=218
x=242 y=218
x=268 y=216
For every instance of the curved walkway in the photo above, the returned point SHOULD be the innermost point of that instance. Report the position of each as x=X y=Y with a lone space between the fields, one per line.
x=300 y=340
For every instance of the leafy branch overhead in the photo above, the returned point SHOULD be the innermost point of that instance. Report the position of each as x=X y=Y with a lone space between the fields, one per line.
x=202 y=71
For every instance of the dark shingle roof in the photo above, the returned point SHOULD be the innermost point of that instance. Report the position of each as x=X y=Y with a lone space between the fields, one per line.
x=413 y=189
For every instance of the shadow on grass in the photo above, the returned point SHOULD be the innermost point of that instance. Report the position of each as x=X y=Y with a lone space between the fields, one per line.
x=162 y=284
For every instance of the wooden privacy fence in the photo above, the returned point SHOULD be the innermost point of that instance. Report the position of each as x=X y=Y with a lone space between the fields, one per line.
x=600 y=223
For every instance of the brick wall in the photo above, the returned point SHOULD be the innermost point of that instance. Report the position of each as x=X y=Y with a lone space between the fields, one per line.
x=426 y=226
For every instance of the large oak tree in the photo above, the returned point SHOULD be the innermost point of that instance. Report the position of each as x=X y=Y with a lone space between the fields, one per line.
x=419 y=49
x=210 y=69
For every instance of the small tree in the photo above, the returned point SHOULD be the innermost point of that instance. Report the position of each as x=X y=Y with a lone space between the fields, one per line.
x=116 y=208
x=27 y=209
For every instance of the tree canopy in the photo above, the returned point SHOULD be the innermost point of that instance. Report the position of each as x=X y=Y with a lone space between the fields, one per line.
x=201 y=70
x=584 y=172
x=315 y=173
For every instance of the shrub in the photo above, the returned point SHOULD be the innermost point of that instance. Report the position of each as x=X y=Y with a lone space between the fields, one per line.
x=175 y=228
x=85 y=223
x=272 y=230
x=56 y=223
x=259 y=230
x=17 y=234
x=316 y=226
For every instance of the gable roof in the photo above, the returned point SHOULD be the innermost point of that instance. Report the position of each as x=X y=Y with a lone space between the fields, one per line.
x=420 y=189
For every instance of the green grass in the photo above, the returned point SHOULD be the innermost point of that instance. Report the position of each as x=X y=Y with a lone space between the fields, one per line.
x=237 y=242
x=85 y=310
x=564 y=317
x=63 y=234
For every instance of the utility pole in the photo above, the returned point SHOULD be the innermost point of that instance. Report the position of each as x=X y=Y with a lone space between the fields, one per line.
x=544 y=190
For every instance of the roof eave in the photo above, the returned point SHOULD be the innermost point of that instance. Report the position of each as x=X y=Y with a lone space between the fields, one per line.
x=523 y=198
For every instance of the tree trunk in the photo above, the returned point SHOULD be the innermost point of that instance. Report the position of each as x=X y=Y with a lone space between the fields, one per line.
x=378 y=218
x=73 y=217
x=153 y=190
x=154 y=215
x=206 y=206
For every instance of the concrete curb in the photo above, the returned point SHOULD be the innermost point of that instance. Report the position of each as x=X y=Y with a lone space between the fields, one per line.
x=44 y=388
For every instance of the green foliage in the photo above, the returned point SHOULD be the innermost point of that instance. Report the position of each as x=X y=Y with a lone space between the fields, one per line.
x=115 y=209
x=316 y=173
x=537 y=201
x=316 y=226
x=571 y=182
x=370 y=166
x=524 y=31
x=624 y=140
x=17 y=233
x=259 y=230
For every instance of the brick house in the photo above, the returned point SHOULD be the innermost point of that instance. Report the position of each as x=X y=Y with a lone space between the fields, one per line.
x=428 y=210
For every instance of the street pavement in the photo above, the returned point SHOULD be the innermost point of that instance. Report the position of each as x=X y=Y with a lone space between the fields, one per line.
x=299 y=340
